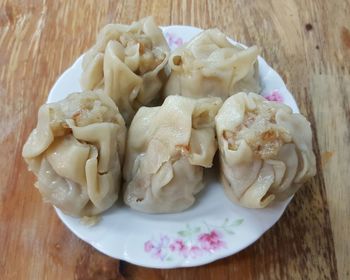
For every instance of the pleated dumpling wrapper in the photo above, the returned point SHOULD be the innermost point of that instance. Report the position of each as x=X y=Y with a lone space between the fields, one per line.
x=209 y=65
x=76 y=152
x=128 y=62
x=265 y=150
x=167 y=148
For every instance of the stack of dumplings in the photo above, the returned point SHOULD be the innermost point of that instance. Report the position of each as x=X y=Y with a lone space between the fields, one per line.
x=148 y=122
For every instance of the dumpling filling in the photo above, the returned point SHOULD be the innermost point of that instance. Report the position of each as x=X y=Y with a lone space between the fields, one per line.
x=260 y=131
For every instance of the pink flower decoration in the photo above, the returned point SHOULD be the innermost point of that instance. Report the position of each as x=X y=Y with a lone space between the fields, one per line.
x=195 y=251
x=157 y=249
x=275 y=95
x=149 y=246
x=178 y=245
x=190 y=243
x=211 y=241
x=173 y=40
x=178 y=42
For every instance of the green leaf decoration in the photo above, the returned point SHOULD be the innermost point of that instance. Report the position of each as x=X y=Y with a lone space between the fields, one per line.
x=183 y=233
x=237 y=222
x=229 y=231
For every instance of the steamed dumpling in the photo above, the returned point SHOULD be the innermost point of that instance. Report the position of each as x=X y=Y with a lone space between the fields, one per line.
x=76 y=152
x=209 y=65
x=128 y=62
x=265 y=150
x=167 y=148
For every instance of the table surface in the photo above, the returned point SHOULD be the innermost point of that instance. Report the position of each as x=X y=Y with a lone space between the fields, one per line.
x=307 y=42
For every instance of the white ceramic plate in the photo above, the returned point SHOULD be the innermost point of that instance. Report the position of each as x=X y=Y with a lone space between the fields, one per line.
x=211 y=229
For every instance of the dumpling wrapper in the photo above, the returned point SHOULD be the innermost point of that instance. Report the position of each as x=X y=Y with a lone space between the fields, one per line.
x=265 y=150
x=167 y=148
x=209 y=65
x=76 y=152
x=128 y=62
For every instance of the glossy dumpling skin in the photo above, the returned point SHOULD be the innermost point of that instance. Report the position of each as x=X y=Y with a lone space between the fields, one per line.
x=265 y=150
x=209 y=65
x=167 y=148
x=128 y=62
x=76 y=151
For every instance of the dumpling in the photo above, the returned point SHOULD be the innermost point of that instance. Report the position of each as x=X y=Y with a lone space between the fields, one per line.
x=167 y=148
x=76 y=152
x=265 y=150
x=209 y=65
x=128 y=62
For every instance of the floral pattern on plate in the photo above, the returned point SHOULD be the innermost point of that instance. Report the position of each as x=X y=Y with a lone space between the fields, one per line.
x=274 y=95
x=191 y=242
x=173 y=40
